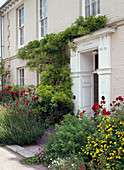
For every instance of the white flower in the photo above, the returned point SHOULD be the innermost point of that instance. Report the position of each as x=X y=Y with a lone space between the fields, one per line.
x=49 y=166
x=72 y=164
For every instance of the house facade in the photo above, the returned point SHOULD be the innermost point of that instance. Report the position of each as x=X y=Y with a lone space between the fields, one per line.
x=97 y=66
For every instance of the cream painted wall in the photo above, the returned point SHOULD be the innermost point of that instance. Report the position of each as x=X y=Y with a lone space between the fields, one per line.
x=117 y=63
x=61 y=14
x=113 y=9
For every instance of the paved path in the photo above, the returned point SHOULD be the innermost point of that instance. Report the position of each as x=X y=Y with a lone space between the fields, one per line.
x=10 y=161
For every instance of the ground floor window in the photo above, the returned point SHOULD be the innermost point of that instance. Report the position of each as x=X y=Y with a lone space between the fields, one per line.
x=21 y=77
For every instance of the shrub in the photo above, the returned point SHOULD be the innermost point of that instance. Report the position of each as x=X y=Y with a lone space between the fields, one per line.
x=105 y=148
x=19 y=127
x=67 y=139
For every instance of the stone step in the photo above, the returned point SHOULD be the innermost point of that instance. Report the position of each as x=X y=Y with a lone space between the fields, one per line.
x=20 y=150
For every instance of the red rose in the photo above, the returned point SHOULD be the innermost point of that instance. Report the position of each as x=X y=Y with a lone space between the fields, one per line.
x=23 y=100
x=17 y=103
x=104 y=112
x=8 y=97
x=25 y=94
x=9 y=87
x=103 y=102
x=27 y=101
x=33 y=92
x=29 y=90
x=0 y=97
x=108 y=113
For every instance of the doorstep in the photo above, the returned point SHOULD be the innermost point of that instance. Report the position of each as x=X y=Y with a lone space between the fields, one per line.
x=26 y=151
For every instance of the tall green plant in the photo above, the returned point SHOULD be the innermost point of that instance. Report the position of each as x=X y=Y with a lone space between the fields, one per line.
x=50 y=56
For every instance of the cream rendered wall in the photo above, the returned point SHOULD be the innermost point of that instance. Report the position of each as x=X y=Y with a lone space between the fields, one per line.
x=113 y=9
x=117 y=63
x=61 y=14
x=10 y=39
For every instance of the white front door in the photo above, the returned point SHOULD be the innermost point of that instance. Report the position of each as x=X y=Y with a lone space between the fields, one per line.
x=86 y=84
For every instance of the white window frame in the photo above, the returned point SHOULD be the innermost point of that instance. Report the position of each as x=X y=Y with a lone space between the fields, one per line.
x=42 y=19
x=20 y=27
x=21 y=77
x=90 y=4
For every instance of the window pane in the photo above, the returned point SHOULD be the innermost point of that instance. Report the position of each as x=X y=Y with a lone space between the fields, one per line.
x=40 y=3
x=87 y=2
x=22 y=21
x=42 y=28
x=19 y=13
x=22 y=72
x=93 y=10
x=45 y=28
x=98 y=6
x=87 y=11
x=41 y=13
x=22 y=12
x=44 y=3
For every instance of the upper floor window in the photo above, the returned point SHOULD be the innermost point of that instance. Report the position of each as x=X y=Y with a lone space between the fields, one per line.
x=21 y=26
x=92 y=7
x=43 y=18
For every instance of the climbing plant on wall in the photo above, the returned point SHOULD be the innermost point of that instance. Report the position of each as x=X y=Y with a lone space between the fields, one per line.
x=50 y=56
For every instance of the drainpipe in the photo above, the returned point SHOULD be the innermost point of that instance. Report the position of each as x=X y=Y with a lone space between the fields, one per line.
x=1 y=47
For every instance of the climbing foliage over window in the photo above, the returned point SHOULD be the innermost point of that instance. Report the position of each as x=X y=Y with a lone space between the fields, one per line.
x=51 y=53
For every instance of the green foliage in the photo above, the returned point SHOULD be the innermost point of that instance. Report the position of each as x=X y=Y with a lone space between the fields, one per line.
x=50 y=56
x=19 y=126
x=31 y=161
x=68 y=138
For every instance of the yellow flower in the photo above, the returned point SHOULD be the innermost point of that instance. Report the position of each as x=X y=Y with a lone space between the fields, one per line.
x=120 y=148
x=107 y=164
x=114 y=151
x=115 y=143
x=79 y=152
x=110 y=142
x=118 y=157
x=90 y=153
x=97 y=150
x=103 y=118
